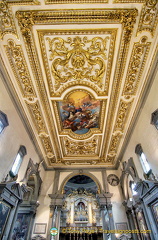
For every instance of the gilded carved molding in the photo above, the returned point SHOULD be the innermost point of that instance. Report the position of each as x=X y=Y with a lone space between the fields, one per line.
x=115 y=142
x=149 y=17
x=47 y=145
x=74 y=1
x=20 y=69
x=129 y=1
x=88 y=147
x=23 y=2
x=78 y=60
x=136 y=65
x=126 y=17
x=6 y=22
x=110 y=159
x=123 y=112
x=26 y=27
x=79 y=162
x=7 y=25
x=36 y=114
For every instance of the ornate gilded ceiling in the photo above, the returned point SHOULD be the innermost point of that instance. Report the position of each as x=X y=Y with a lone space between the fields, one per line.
x=79 y=70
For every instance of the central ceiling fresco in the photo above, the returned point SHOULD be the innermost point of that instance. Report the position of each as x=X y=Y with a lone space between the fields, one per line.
x=78 y=73
x=79 y=113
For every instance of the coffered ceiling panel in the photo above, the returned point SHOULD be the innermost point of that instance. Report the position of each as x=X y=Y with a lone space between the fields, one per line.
x=79 y=72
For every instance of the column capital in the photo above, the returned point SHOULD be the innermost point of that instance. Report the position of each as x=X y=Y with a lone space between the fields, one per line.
x=56 y=199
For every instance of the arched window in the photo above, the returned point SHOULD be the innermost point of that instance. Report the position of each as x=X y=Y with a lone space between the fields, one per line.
x=132 y=186
x=17 y=162
x=3 y=121
x=143 y=159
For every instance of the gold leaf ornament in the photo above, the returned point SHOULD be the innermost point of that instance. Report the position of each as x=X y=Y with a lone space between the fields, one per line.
x=77 y=59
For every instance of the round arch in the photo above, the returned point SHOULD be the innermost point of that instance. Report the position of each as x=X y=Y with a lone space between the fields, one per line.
x=61 y=190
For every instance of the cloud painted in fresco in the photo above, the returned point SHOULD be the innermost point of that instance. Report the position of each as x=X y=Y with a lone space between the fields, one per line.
x=79 y=113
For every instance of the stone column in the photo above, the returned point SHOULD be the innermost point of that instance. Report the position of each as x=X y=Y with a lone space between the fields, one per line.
x=58 y=222
x=72 y=213
x=105 y=200
x=56 y=205
x=131 y=224
x=90 y=212
x=53 y=222
x=111 y=220
x=102 y=208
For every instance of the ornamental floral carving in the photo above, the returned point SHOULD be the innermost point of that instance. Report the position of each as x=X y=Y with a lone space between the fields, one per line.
x=128 y=20
x=6 y=23
x=78 y=58
x=36 y=115
x=115 y=142
x=149 y=16
x=75 y=1
x=26 y=21
x=125 y=16
x=19 y=66
x=123 y=112
x=128 y=1
x=136 y=65
x=110 y=158
x=47 y=146
x=81 y=148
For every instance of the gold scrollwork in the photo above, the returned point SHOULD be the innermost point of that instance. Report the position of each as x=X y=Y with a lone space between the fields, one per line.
x=78 y=17
x=19 y=66
x=149 y=17
x=52 y=160
x=123 y=112
x=28 y=18
x=115 y=142
x=79 y=162
x=128 y=20
x=136 y=65
x=36 y=115
x=70 y=66
x=81 y=148
x=129 y=1
x=26 y=21
x=6 y=23
x=47 y=146
x=74 y=1
x=110 y=159
x=78 y=58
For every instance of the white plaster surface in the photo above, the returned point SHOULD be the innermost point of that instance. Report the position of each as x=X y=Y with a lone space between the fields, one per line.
x=62 y=178
x=116 y=200
x=43 y=211
x=12 y=137
x=98 y=175
x=145 y=133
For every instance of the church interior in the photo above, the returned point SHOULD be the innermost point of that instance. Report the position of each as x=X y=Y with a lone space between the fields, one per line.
x=78 y=119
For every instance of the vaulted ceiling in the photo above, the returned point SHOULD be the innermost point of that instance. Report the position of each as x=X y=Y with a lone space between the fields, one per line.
x=78 y=71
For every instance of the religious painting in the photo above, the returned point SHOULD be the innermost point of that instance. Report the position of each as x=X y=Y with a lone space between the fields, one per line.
x=21 y=226
x=142 y=225
x=79 y=112
x=4 y=214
